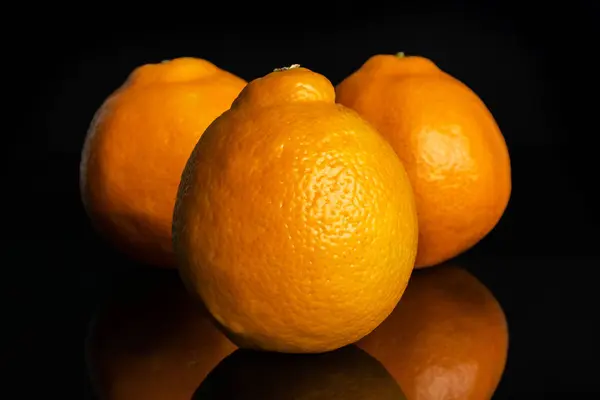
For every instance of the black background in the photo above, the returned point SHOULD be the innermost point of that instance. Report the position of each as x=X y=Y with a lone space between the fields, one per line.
x=532 y=66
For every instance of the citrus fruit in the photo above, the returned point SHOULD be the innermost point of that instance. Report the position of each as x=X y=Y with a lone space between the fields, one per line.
x=153 y=342
x=295 y=221
x=446 y=340
x=345 y=374
x=449 y=143
x=137 y=146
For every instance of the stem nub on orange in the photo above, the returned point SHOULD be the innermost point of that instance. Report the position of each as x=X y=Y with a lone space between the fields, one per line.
x=449 y=143
x=137 y=146
x=295 y=221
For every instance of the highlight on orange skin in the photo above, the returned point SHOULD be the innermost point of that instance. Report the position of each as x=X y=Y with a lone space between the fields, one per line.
x=449 y=143
x=447 y=339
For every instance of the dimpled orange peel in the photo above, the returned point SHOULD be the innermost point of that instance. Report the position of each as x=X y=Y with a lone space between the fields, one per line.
x=295 y=221
x=137 y=146
x=449 y=143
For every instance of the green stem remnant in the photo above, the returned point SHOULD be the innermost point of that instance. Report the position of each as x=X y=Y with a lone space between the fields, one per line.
x=400 y=54
x=286 y=68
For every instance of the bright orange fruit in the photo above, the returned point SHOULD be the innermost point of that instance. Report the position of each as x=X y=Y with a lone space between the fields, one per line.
x=137 y=146
x=446 y=340
x=449 y=142
x=295 y=221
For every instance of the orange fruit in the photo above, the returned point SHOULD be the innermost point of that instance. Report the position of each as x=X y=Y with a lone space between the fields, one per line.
x=295 y=221
x=345 y=374
x=446 y=340
x=449 y=143
x=152 y=341
x=137 y=146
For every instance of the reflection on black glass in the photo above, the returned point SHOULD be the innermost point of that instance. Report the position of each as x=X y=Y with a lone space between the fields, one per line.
x=348 y=373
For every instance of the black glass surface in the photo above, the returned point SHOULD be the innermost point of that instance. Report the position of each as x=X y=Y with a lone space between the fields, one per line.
x=533 y=69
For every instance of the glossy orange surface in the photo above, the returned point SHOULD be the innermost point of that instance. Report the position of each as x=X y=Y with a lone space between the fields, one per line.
x=446 y=340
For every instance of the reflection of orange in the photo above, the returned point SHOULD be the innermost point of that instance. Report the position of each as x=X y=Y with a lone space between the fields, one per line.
x=348 y=373
x=295 y=221
x=153 y=343
x=137 y=146
x=446 y=340
x=451 y=146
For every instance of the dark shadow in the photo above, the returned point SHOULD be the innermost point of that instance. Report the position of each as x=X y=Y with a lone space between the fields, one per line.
x=346 y=374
